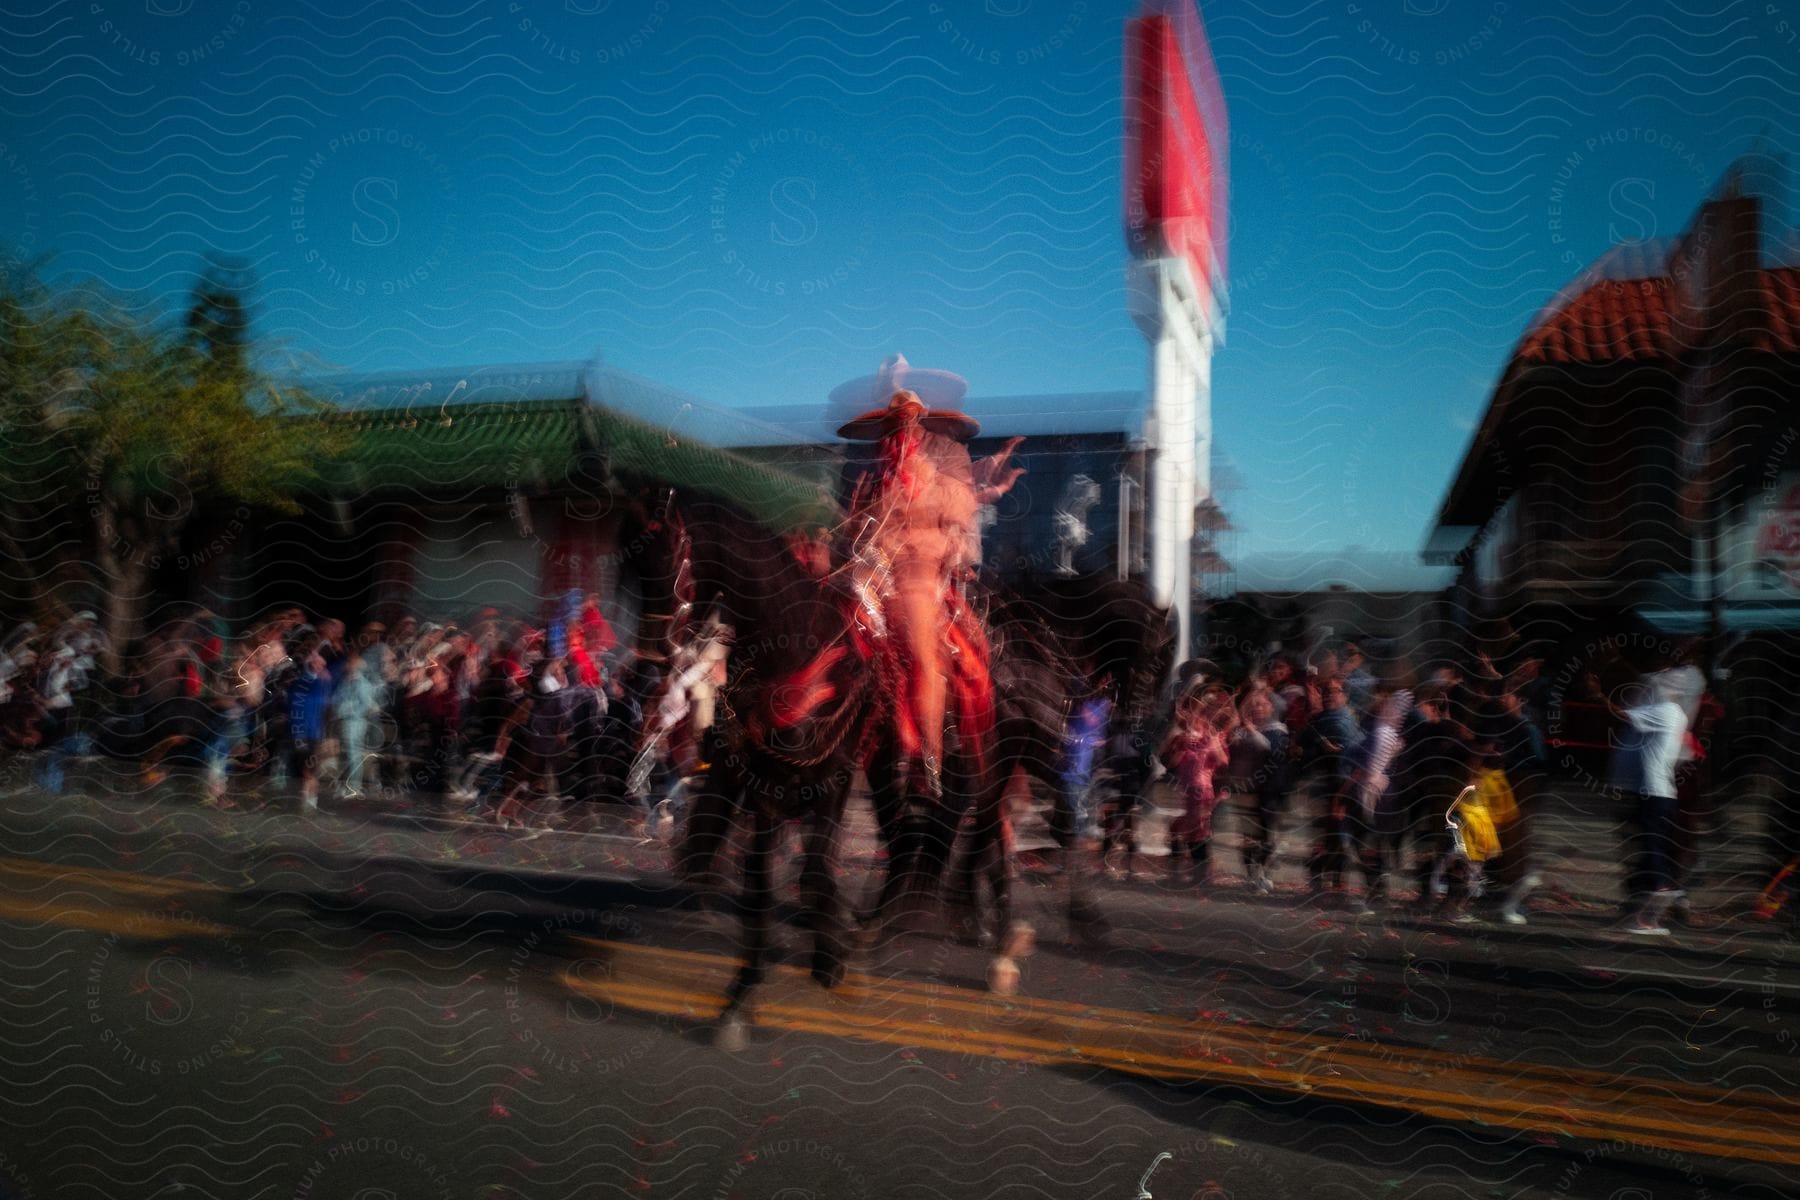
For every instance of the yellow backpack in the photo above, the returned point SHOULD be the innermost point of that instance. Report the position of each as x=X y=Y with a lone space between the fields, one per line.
x=1495 y=794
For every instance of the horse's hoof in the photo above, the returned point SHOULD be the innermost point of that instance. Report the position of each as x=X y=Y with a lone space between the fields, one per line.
x=733 y=1035
x=828 y=970
x=971 y=931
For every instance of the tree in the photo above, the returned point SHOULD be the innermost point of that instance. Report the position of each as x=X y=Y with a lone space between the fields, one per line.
x=46 y=351
x=130 y=431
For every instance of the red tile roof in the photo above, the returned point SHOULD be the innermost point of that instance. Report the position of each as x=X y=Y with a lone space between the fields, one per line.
x=1616 y=320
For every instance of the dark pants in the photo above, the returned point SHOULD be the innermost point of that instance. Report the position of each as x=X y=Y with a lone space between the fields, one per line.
x=1265 y=810
x=1380 y=842
x=1331 y=845
x=1516 y=842
x=1427 y=829
x=1692 y=820
x=1650 y=856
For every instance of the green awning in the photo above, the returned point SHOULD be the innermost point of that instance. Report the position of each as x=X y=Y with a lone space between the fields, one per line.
x=650 y=455
x=540 y=444
x=457 y=447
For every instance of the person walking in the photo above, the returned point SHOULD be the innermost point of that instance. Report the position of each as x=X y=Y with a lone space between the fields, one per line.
x=1433 y=766
x=1259 y=771
x=546 y=730
x=308 y=700
x=1522 y=756
x=437 y=721
x=1083 y=738
x=1195 y=752
x=1643 y=772
x=1374 y=810
x=357 y=703
x=1331 y=743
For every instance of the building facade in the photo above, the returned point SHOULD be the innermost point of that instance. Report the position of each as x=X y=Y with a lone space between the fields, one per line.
x=1625 y=500
x=492 y=487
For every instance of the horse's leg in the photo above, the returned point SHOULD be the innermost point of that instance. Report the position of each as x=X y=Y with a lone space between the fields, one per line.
x=994 y=834
x=905 y=868
x=703 y=833
x=941 y=823
x=985 y=794
x=914 y=827
x=759 y=914
x=883 y=773
x=818 y=885
x=1086 y=920
x=1080 y=863
x=1130 y=803
x=989 y=851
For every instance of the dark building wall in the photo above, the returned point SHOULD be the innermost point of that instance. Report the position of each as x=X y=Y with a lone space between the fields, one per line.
x=1023 y=536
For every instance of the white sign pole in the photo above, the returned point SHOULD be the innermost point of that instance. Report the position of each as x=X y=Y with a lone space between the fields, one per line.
x=1177 y=318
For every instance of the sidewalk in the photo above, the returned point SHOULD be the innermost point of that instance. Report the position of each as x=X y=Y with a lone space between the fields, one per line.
x=1579 y=836
x=1578 y=840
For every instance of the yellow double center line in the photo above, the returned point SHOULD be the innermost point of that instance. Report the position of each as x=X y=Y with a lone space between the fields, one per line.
x=1683 y=1117
x=142 y=906
x=1689 y=1118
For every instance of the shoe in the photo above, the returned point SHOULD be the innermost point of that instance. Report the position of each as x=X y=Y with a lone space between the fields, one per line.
x=309 y=804
x=1644 y=930
x=1656 y=906
x=1514 y=918
x=1261 y=882
x=1465 y=918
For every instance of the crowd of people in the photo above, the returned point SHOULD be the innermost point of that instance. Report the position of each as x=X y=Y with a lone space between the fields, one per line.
x=1434 y=781
x=1431 y=781
x=1390 y=769
x=500 y=711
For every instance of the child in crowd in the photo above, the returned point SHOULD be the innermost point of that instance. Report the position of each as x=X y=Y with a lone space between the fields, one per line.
x=1195 y=752
x=1476 y=819
x=1259 y=770
x=1373 y=802
x=307 y=699
x=358 y=707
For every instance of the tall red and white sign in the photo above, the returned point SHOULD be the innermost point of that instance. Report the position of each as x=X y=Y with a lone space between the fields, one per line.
x=1176 y=188
x=1177 y=169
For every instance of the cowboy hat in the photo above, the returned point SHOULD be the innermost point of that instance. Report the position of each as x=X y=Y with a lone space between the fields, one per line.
x=940 y=392
x=939 y=389
x=877 y=423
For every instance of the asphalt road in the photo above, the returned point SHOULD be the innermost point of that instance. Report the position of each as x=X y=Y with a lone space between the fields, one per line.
x=362 y=1006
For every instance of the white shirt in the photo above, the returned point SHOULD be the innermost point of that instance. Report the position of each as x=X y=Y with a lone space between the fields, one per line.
x=1683 y=685
x=1649 y=748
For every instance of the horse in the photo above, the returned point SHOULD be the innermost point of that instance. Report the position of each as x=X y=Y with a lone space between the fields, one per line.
x=796 y=631
x=786 y=616
x=1056 y=639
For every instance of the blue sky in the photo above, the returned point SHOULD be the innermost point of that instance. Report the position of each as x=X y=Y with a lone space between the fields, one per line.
x=755 y=201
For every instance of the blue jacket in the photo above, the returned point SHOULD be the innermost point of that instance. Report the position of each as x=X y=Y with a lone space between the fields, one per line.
x=1335 y=725
x=308 y=700
x=1082 y=740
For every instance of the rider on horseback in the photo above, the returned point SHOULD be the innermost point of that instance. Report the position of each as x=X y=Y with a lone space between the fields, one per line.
x=914 y=538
